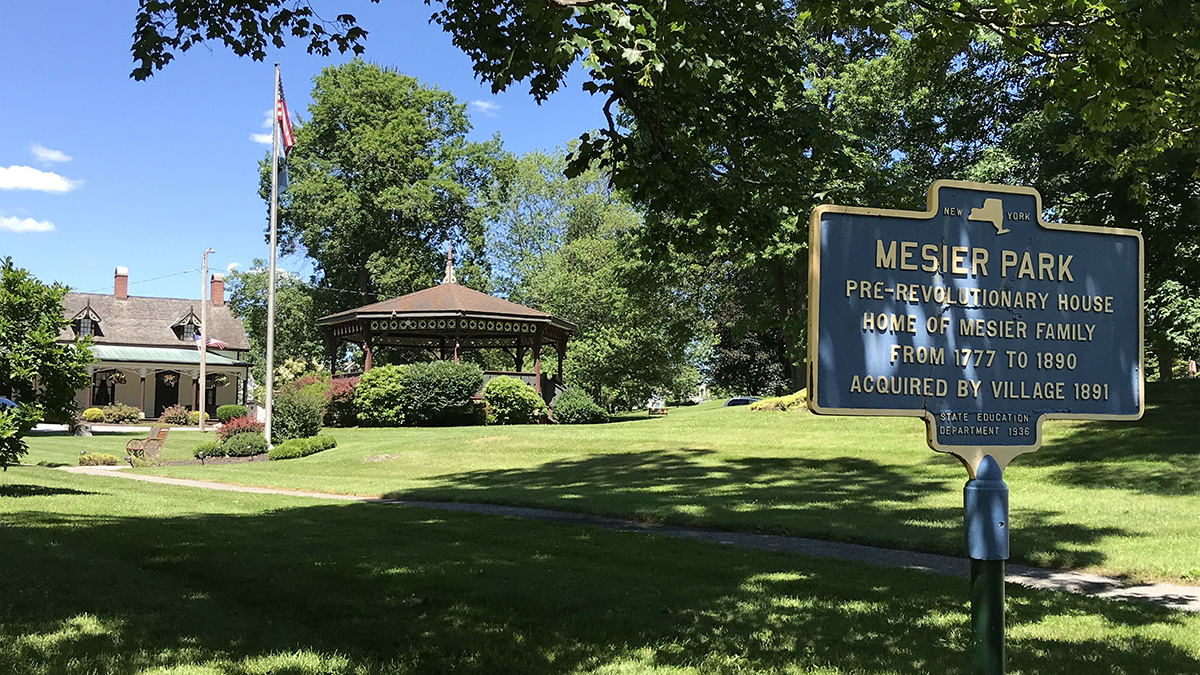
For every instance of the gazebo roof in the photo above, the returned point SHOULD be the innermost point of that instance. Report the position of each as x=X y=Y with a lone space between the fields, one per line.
x=447 y=299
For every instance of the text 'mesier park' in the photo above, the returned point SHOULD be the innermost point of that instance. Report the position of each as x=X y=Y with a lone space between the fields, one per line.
x=976 y=315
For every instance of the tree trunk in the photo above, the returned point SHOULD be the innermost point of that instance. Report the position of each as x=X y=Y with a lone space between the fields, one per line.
x=1166 y=359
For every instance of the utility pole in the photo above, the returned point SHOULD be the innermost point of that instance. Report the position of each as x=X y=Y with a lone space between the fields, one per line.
x=202 y=390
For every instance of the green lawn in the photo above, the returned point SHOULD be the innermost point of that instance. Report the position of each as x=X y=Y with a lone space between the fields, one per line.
x=104 y=576
x=1117 y=498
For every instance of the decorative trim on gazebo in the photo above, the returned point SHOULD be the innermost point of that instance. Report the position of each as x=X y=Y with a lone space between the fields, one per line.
x=447 y=318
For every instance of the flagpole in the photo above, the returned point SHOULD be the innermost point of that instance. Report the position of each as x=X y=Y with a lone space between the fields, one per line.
x=270 y=381
x=204 y=333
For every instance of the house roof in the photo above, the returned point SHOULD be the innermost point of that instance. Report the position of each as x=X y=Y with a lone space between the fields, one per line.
x=446 y=299
x=147 y=322
x=180 y=355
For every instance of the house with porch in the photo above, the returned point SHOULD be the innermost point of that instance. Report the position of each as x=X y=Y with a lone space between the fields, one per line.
x=147 y=349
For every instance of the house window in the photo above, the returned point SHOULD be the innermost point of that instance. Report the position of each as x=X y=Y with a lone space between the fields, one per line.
x=85 y=326
x=189 y=332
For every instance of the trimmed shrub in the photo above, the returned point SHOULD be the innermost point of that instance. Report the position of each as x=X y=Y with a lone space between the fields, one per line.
x=339 y=403
x=575 y=406
x=244 y=445
x=229 y=412
x=796 y=401
x=297 y=413
x=513 y=401
x=377 y=398
x=176 y=414
x=119 y=413
x=301 y=447
x=240 y=425
x=98 y=459
x=93 y=415
x=439 y=393
x=194 y=417
x=208 y=449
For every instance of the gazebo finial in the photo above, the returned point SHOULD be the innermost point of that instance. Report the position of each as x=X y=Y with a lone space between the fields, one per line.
x=449 y=278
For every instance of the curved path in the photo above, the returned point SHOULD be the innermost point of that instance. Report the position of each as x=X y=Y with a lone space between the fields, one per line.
x=1185 y=598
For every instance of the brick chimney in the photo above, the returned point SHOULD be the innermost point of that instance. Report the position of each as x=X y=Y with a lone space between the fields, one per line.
x=121 y=283
x=216 y=289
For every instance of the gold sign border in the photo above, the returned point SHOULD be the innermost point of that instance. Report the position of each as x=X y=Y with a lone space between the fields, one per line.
x=969 y=455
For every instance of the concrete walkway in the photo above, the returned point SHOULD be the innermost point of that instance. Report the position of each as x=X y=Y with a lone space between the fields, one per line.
x=1185 y=598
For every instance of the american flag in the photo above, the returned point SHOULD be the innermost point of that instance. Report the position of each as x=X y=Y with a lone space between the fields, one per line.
x=285 y=122
x=214 y=343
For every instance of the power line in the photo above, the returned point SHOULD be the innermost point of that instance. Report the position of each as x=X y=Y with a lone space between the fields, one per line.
x=143 y=281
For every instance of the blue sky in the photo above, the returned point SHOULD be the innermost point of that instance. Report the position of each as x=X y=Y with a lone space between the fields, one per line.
x=99 y=171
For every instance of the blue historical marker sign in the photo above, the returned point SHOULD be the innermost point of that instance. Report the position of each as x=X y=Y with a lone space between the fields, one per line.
x=975 y=315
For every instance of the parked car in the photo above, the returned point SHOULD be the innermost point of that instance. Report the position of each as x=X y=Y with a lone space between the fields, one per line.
x=742 y=400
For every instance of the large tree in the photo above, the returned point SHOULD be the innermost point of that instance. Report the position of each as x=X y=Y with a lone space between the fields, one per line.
x=296 y=334
x=38 y=372
x=567 y=246
x=380 y=178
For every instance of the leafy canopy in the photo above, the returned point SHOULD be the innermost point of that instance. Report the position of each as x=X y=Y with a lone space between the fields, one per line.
x=39 y=373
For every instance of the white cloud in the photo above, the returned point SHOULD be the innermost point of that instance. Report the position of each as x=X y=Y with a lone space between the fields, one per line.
x=46 y=155
x=13 y=224
x=29 y=178
x=488 y=108
x=264 y=139
x=231 y=267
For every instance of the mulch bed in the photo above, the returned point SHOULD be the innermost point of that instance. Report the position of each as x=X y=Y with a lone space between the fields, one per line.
x=217 y=460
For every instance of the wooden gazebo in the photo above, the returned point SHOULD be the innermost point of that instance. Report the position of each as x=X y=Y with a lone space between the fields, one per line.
x=448 y=318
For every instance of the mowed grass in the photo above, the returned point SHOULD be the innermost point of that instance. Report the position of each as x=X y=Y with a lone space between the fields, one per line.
x=109 y=576
x=1116 y=498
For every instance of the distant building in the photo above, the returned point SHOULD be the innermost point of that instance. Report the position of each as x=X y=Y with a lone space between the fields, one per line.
x=147 y=352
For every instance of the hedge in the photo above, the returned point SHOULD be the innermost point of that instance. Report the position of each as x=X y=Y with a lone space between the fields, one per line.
x=301 y=447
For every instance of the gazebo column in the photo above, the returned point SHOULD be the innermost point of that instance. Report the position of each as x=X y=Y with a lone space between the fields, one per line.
x=520 y=357
x=537 y=359
x=366 y=348
x=561 y=348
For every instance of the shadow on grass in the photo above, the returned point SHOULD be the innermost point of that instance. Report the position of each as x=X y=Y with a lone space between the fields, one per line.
x=24 y=490
x=841 y=499
x=366 y=588
x=1159 y=454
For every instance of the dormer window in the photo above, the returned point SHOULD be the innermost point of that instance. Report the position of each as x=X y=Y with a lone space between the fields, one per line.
x=87 y=323
x=187 y=327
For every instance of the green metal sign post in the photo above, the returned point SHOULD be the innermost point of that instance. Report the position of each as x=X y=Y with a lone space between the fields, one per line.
x=984 y=320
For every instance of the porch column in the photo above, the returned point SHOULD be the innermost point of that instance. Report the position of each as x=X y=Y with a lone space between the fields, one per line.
x=245 y=390
x=87 y=398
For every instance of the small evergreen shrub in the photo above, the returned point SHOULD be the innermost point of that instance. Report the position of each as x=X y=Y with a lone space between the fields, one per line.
x=175 y=414
x=513 y=401
x=377 y=398
x=301 y=447
x=119 y=413
x=439 y=393
x=93 y=415
x=339 y=403
x=796 y=401
x=229 y=412
x=194 y=417
x=208 y=449
x=297 y=413
x=244 y=445
x=240 y=425
x=98 y=459
x=575 y=406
